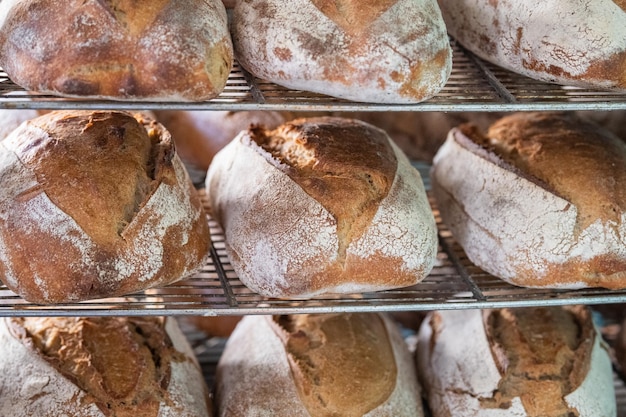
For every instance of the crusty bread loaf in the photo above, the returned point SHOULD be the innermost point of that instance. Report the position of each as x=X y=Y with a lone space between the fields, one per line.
x=95 y=204
x=321 y=205
x=10 y=119
x=393 y=51
x=348 y=365
x=538 y=201
x=547 y=362
x=569 y=42
x=97 y=367
x=117 y=49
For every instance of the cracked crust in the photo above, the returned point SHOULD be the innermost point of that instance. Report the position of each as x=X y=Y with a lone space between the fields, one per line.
x=570 y=42
x=543 y=206
x=99 y=367
x=547 y=362
x=293 y=230
x=119 y=49
x=109 y=194
x=351 y=365
x=392 y=51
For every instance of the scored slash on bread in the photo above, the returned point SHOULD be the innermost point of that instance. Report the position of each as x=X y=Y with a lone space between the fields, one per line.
x=321 y=205
x=95 y=204
x=538 y=201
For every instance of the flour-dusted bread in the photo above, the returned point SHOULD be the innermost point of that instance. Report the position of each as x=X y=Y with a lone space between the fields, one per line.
x=99 y=367
x=538 y=201
x=569 y=42
x=321 y=205
x=392 y=51
x=95 y=204
x=349 y=365
x=117 y=49
x=548 y=362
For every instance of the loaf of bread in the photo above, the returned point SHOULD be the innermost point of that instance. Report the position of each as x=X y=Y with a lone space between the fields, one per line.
x=348 y=365
x=392 y=51
x=547 y=362
x=569 y=42
x=95 y=204
x=321 y=205
x=538 y=201
x=99 y=367
x=161 y=50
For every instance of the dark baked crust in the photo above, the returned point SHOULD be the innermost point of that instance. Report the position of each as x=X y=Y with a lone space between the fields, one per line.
x=98 y=204
x=117 y=49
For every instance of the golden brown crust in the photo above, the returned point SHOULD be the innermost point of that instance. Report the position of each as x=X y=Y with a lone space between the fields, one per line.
x=561 y=151
x=311 y=341
x=121 y=366
x=539 y=350
x=119 y=49
x=121 y=213
x=347 y=167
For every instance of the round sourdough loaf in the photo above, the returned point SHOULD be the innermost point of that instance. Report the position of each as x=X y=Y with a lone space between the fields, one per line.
x=349 y=365
x=392 y=51
x=570 y=42
x=538 y=201
x=99 y=367
x=321 y=205
x=95 y=204
x=548 y=362
x=160 y=50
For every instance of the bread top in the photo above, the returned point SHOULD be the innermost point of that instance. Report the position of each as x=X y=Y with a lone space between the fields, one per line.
x=124 y=365
x=98 y=167
x=522 y=362
x=389 y=51
x=319 y=347
x=563 y=41
x=542 y=354
x=574 y=159
x=118 y=49
x=348 y=166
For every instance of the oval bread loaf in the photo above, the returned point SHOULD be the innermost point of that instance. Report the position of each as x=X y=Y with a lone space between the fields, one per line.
x=538 y=201
x=349 y=365
x=95 y=204
x=569 y=42
x=393 y=51
x=521 y=362
x=161 y=50
x=321 y=205
x=99 y=367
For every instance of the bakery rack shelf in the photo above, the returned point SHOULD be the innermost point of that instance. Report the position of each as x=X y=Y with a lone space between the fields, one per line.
x=454 y=283
x=474 y=85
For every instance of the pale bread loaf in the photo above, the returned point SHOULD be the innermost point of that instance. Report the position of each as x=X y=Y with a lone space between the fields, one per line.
x=569 y=42
x=538 y=201
x=95 y=204
x=321 y=205
x=548 y=362
x=99 y=367
x=348 y=365
x=161 y=50
x=393 y=51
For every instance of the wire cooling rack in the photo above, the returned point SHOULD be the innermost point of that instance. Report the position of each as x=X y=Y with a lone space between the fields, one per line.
x=454 y=283
x=474 y=85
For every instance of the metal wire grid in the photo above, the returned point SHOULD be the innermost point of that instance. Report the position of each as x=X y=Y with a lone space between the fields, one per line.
x=474 y=85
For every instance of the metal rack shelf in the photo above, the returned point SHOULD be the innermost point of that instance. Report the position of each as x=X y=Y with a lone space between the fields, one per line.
x=474 y=85
x=454 y=283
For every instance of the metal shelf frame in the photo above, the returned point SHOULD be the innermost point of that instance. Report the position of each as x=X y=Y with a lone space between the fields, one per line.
x=474 y=85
